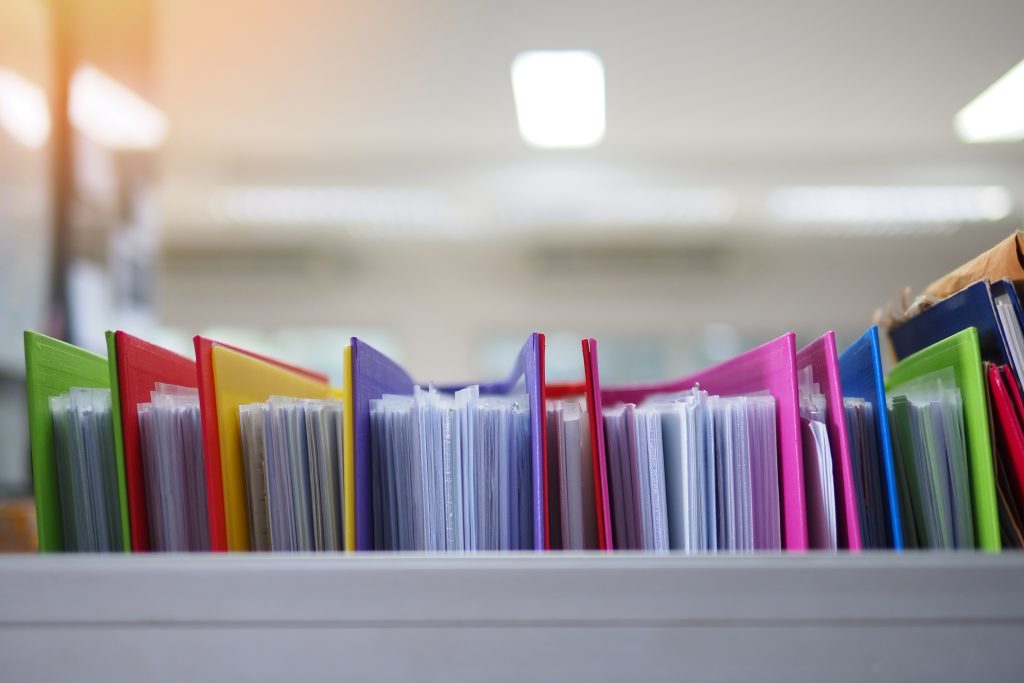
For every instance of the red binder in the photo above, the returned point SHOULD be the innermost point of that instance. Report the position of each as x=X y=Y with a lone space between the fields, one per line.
x=1009 y=415
x=211 y=435
x=564 y=390
x=140 y=366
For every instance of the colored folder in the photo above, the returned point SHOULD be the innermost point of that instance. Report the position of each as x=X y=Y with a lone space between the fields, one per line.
x=822 y=358
x=962 y=353
x=222 y=535
x=770 y=367
x=53 y=367
x=860 y=369
x=370 y=374
x=1008 y=414
x=585 y=389
x=597 y=450
x=970 y=307
x=136 y=369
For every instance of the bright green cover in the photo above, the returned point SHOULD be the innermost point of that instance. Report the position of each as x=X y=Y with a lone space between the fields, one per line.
x=115 y=412
x=53 y=367
x=962 y=353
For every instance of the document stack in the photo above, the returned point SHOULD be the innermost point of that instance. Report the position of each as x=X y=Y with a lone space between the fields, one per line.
x=172 y=458
x=86 y=470
x=782 y=448
x=452 y=472
x=292 y=454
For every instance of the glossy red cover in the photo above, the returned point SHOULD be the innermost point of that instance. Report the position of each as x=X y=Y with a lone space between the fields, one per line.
x=140 y=366
x=1009 y=413
x=560 y=390
x=564 y=390
x=211 y=435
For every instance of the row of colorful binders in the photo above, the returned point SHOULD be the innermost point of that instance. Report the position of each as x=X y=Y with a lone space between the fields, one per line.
x=780 y=448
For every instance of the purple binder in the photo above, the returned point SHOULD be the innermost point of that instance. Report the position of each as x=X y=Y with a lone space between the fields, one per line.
x=374 y=374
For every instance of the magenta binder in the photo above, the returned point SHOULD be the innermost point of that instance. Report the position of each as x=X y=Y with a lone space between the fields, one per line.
x=770 y=367
x=823 y=359
x=597 y=451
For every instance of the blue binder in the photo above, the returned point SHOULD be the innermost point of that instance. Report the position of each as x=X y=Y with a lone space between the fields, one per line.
x=860 y=370
x=970 y=307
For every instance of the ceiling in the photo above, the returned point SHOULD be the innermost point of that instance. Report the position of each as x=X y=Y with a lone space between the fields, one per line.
x=418 y=93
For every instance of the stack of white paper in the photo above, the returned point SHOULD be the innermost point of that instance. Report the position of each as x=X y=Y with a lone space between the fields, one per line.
x=819 y=479
x=171 y=438
x=451 y=472
x=695 y=473
x=87 y=470
x=291 y=450
x=571 y=477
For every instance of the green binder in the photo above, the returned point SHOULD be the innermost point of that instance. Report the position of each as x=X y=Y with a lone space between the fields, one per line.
x=53 y=367
x=962 y=353
x=115 y=412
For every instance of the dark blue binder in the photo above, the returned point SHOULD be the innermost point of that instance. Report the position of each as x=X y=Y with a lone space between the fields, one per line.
x=970 y=307
x=860 y=371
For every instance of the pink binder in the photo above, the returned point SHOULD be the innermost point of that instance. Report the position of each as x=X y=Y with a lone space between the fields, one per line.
x=821 y=356
x=770 y=367
x=597 y=451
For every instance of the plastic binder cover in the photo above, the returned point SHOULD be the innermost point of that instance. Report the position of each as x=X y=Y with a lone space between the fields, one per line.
x=585 y=389
x=210 y=415
x=821 y=356
x=860 y=369
x=970 y=307
x=373 y=374
x=962 y=353
x=1008 y=413
x=139 y=366
x=52 y=368
x=770 y=367
x=597 y=445
x=348 y=451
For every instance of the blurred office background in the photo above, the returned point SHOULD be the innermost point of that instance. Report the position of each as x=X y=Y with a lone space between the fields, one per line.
x=285 y=175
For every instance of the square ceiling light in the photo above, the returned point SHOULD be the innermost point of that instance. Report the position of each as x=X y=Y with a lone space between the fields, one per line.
x=559 y=98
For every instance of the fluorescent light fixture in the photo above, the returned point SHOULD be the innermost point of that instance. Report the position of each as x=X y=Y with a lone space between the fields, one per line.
x=376 y=212
x=889 y=205
x=997 y=114
x=24 y=113
x=559 y=98
x=614 y=207
x=112 y=115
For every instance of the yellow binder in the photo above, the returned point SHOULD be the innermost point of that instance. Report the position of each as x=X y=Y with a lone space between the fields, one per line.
x=349 y=449
x=240 y=379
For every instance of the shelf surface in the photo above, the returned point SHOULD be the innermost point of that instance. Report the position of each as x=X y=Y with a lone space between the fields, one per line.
x=915 y=616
